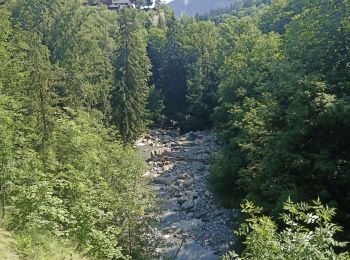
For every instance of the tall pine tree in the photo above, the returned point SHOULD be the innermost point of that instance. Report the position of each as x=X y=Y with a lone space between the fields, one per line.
x=133 y=71
x=200 y=42
x=173 y=73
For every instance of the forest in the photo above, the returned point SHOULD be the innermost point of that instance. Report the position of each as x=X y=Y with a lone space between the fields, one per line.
x=80 y=84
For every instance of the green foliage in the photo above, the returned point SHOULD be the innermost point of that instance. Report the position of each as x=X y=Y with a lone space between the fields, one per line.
x=172 y=80
x=80 y=43
x=156 y=107
x=93 y=190
x=201 y=65
x=245 y=106
x=36 y=245
x=283 y=104
x=274 y=81
x=308 y=234
x=185 y=58
x=65 y=174
x=132 y=74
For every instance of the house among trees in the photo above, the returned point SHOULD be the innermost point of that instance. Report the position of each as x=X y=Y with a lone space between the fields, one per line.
x=118 y=4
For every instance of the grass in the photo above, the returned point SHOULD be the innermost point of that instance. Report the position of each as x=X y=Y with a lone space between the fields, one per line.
x=42 y=246
x=8 y=246
x=35 y=246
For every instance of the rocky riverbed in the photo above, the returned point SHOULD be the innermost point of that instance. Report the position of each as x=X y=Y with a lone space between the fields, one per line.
x=192 y=221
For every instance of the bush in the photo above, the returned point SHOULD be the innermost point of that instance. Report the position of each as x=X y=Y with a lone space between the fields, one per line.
x=92 y=192
x=34 y=244
x=308 y=233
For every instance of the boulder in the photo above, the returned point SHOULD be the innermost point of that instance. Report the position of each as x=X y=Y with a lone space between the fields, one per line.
x=160 y=152
x=170 y=179
x=199 y=203
x=171 y=218
x=171 y=205
x=181 y=200
x=194 y=251
x=187 y=205
x=187 y=225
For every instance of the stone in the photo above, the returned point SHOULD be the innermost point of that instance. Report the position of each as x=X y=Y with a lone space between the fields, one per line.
x=199 y=141
x=171 y=218
x=159 y=180
x=184 y=176
x=170 y=179
x=157 y=187
x=190 y=215
x=199 y=214
x=189 y=209
x=191 y=136
x=183 y=143
x=140 y=144
x=194 y=195
x=167 y=168
x=164 y=194
x=188 y=183
x=187 y=205
x=182 y=200
x=160 y=152
x=199 y=203
x=217 y=213
x=171 y=205
x=175 y=187
x=194 y=251
x=187 y=225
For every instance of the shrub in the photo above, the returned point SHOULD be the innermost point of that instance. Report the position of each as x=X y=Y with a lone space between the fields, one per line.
x=308 y=234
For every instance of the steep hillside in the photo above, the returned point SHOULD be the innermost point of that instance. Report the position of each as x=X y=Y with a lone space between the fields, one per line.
x=192 y=7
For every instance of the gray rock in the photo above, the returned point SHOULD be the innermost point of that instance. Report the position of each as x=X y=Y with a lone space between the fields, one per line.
x=168 y=167
x=191 y=136
x=171 y=218
x=160 y=152
x=182 y=200
x=199 y=203
x=188 y=183
x=175 y=187
x=217 y=213
x=171 y=205
x=187 y=225
x=170 y=179
x=199 y=214
x=190 y=215
x=187 y=205
x=194 y=195
x=157 y=187
x=194 y=251
x=159 y=180
x=189 y=210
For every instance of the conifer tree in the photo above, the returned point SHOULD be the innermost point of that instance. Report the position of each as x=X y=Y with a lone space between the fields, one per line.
x=200 y=42
x=40 y=92
x=173 y=73
x=132 y=74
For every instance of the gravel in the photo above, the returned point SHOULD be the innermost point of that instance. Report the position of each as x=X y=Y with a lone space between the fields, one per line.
x=190 y=212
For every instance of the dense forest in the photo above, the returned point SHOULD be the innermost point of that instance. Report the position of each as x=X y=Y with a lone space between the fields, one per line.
x=79 y=84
